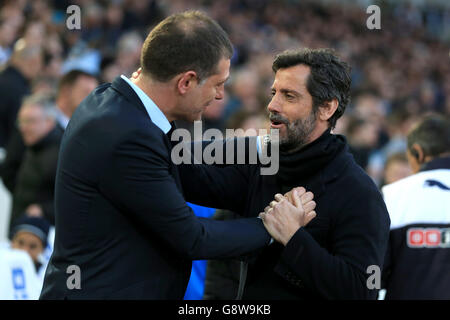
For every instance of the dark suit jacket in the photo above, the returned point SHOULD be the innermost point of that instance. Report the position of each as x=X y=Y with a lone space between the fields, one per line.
x=120 y=213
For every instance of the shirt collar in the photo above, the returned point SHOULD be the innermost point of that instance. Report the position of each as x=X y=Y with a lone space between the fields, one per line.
x=155 y=114
x=62 y=118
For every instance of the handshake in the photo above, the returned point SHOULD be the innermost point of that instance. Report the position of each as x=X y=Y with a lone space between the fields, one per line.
x=286 y=214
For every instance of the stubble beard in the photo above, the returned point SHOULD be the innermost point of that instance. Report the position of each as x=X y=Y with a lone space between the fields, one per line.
x=298 y=133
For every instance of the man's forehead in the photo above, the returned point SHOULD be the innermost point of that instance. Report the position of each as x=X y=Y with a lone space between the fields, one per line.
x=223 y=70
x=293 y=78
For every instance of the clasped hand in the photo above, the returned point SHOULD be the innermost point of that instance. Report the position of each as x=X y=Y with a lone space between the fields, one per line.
x=286 y=214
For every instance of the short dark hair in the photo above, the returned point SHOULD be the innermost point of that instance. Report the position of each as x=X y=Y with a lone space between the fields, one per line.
x=70 y=78
x=329 y=77
x=185 y=41
x=432 y=133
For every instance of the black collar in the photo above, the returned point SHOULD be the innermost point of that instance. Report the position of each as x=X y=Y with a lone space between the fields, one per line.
x=437 y=163
x=314 y=165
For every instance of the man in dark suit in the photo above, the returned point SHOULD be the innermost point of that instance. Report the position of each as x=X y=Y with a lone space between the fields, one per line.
x=121 y=218
x=329 y=257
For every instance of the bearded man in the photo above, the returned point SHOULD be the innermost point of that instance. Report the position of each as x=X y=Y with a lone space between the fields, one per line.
x=337 y=254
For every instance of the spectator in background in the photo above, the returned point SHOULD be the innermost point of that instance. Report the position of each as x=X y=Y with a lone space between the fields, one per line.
x=34 y=189
x=35 y=33
x=362 y=137
x=15 y=83
x=396 y=168
x=31 y=234
x=416 y=264
x=73 y=87
x=129 y=52
x=213 y=117
x=112 y=29
x=397 y=126
x=44 y=85
x=126 y=58
x=247 y=120
x=245 y=93
x=8 y=32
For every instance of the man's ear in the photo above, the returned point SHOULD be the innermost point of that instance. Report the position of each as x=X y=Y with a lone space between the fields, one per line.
x=327 y=110
x=186 y=81
x=136 y=74
x=417 y=152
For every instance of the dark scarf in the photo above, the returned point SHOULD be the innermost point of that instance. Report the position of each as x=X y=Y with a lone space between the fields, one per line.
x=303 y=167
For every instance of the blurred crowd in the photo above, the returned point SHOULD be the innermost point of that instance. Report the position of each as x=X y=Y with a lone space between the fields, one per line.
x=399 y=73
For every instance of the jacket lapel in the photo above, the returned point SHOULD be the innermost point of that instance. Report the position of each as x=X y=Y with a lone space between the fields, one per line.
x=125 y=90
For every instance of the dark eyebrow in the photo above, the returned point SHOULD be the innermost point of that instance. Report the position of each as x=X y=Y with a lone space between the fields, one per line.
x=285 y=91
x=221 y=82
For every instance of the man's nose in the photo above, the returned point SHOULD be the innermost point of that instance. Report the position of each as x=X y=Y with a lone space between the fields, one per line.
x=274 y=106
x=220 y=93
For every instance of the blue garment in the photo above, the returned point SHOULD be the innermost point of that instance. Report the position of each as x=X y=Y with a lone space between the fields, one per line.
x=196 y=283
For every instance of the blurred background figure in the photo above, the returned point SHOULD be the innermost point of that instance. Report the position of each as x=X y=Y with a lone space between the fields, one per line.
x=416 y=264
x=22 y=261
x=8 y=33
x=31 y=234
x=73 y=87
x=33 y=190
x=393 y=133
x=362 y=136
x=397 y=167
x=15 y=82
